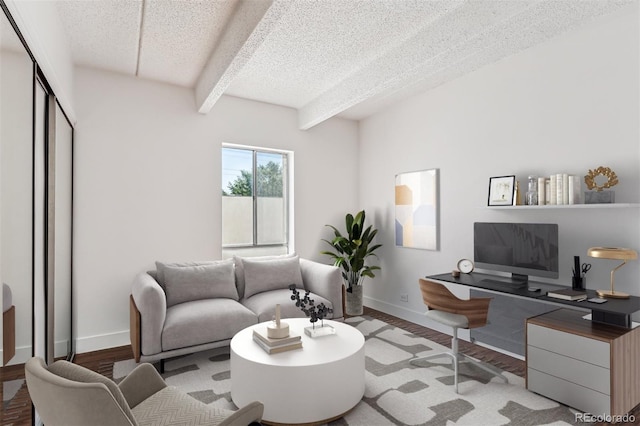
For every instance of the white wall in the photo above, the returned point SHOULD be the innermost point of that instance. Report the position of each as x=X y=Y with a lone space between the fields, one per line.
x=148 y=185
x=568 y=105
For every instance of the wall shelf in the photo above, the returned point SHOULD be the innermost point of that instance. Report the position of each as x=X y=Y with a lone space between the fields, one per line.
x=569 y=206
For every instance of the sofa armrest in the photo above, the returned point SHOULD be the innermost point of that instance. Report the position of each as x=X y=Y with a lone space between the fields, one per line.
x=323 y=280
x=151 y=302
x=140 y=384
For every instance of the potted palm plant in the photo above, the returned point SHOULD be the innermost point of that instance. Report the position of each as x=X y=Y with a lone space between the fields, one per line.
x=350 y=253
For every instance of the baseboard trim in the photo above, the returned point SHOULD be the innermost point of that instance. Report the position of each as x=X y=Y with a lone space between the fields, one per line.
x=395 y=310
x=102 y=341
x=23 y=353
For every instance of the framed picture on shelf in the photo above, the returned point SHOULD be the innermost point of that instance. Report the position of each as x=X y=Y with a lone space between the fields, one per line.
x=501 y=190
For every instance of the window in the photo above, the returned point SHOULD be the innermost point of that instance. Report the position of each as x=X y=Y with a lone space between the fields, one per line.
x=255 y=202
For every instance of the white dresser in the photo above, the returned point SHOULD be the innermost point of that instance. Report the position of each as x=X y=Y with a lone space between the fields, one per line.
x=592 y=367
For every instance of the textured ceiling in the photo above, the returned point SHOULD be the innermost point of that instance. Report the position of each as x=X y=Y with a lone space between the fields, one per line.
x=324 y=57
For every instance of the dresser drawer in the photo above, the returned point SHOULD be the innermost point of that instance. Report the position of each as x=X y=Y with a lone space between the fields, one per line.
x=569 y=369
x=572 y=345
x=571 y=394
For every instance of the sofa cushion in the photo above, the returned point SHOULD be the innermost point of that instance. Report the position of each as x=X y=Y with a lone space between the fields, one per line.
x=161 y=267
x=204 y=321
x=264 y=304
x=267 y=275
x=188 y=283
x=240 y=268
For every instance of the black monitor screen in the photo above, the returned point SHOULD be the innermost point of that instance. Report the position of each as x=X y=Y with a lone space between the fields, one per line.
x=519 y=248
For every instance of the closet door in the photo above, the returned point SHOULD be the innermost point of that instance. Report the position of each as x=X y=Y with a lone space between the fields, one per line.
x=63 y=219
x=39 y=223
x=16 y=201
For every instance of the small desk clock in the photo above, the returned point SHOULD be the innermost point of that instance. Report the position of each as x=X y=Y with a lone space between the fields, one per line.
x=465 y=266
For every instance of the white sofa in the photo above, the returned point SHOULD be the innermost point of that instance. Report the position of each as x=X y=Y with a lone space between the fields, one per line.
x=181 y=308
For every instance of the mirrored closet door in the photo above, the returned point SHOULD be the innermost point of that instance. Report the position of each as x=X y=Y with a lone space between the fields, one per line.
x=16 y=200
x=63 y=174
x=36 y=221
x=16 y=220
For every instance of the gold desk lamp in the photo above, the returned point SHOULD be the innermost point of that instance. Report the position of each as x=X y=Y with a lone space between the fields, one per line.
x=623 y=254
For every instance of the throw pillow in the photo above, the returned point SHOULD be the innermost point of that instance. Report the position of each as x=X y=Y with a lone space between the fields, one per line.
x=266 y=275
x=240 y=267
x=187 y=283
x=161 y=267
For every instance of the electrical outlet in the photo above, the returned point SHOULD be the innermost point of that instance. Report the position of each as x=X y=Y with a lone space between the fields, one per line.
x=404 y=297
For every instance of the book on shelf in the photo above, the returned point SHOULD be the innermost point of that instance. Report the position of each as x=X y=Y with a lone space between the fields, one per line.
x=271 y=342
x=568 y=294
x=277 y=349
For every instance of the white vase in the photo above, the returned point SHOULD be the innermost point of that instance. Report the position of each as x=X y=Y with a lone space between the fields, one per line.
x=354 y=300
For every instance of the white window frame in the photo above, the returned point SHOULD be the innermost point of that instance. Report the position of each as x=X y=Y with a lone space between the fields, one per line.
x=288 y=195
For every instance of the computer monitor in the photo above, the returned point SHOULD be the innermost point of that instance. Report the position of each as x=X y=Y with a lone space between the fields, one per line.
x=522 y=249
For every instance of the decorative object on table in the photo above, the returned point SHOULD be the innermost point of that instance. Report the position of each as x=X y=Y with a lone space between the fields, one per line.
x=271 y=342
x=596 y=183
x=351 y=253
x=284 y=347
x=277 y=337
x=315 y=313
x=502 y=190
x=615 y=253
x=568 y=294
x=416 y=209
x=277 y=329
x=465 y=266
x=578 y=274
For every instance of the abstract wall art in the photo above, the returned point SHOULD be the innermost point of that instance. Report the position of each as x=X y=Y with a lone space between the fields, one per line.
x=416 y=205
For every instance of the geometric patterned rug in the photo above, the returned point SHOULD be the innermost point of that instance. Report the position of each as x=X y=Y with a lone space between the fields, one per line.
x=396 y=392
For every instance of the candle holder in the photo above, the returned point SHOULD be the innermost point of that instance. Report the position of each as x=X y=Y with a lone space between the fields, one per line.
x=277 y=329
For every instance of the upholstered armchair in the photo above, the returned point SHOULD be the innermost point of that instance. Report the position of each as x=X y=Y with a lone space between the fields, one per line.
x=67 y=394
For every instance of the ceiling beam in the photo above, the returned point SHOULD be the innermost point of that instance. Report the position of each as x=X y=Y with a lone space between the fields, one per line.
x=386 y=73
x=492 y=31
x=247 y=29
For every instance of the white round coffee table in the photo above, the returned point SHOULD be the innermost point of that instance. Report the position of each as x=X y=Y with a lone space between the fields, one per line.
x=315 y=384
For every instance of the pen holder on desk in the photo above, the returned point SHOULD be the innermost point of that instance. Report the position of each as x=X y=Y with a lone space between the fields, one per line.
x=578 y=283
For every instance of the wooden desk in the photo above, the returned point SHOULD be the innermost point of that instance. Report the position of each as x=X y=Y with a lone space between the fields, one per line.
x=590 y=366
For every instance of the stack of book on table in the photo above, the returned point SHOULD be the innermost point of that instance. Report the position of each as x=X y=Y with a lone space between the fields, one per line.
x=272 y=346
x=568 y=294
